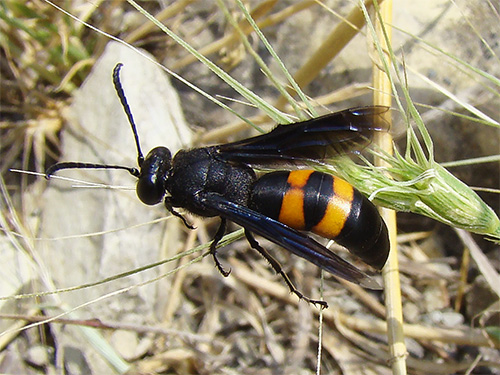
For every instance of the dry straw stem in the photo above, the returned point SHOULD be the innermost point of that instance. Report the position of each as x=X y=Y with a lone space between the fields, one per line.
x=466 y=336
x=259 y=12
x=345 y=31
x=170 y=11
x=328 y=50
x=382 y=96
x=175 y=291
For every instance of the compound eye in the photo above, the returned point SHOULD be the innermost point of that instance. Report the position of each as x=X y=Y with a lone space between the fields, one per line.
x=154 y=172
x=150 y=189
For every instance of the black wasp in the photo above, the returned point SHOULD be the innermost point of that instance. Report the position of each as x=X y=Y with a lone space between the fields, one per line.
x=220 y=181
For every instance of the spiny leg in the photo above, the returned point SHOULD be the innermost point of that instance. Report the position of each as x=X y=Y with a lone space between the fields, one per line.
x=170 y=208
x=277 y=268
x=213 y=247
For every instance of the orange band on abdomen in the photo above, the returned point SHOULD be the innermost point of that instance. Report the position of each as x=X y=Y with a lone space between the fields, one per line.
x=337 y=211
x=292 y=206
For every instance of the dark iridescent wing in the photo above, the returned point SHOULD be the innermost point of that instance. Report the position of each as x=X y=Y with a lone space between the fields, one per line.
x=317 y=139
x=292 y=240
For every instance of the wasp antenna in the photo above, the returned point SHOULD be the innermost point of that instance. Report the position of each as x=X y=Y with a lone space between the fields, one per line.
x=126 y=108
x=77 y=165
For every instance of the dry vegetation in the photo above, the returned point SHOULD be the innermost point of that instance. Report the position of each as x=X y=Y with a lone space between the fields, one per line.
x=84 y=304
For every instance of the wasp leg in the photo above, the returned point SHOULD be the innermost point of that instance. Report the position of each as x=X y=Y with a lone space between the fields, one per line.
x=277 y=268
x=170 y=208
x=213 y=247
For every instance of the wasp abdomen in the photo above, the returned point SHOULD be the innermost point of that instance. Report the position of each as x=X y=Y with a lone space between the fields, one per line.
x=307 y=200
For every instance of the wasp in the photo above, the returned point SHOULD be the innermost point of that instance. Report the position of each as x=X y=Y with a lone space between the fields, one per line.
x=280 y=205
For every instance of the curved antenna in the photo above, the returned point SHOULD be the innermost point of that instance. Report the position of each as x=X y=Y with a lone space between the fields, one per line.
x=140 y=158
x=77 y=165
x=126 y=108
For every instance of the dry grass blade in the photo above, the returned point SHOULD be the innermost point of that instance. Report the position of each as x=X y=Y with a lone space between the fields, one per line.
x=483 y=263
x=474 y=337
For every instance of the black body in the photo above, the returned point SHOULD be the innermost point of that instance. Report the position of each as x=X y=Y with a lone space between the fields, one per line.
x=197 y=172
x=220 y=181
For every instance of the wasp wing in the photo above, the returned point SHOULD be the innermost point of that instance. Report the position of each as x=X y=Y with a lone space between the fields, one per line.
x=317 y=139
x=292 y=240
